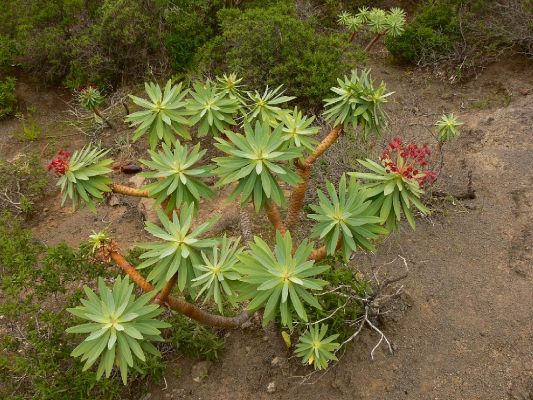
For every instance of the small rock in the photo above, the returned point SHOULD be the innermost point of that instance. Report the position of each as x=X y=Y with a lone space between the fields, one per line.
x=137 y=180
x=113 y=200
x=147 y=210
x=278 y=361
x=45 y=210
x=524 y=91
x=271 y=388
x=200 y=371
x=247 y=348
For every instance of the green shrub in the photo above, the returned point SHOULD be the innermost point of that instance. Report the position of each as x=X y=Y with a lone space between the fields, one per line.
x=7 y=97
x=432 y=33
x=274 y=46
x=191 y=23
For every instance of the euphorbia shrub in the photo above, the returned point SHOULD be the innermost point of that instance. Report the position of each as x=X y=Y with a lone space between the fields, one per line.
x=266 y=153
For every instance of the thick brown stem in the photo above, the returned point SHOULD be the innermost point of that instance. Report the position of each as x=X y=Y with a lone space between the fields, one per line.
x=325 y=144
x=274 y=216
x=352 y=37
x=297 y=197
x=97 y=112
x=128 y=191
x=162 y=297
x=178 y=304
x=321 y=253
x=373 y=41
x=304 y=170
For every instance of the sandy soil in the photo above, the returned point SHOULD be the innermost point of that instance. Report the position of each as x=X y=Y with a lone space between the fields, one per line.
x=465 y=326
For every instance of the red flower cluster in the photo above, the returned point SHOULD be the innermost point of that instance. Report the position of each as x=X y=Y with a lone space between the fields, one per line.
x=407 y=160
x=59 y=163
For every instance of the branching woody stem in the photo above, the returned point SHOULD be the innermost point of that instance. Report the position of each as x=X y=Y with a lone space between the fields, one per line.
x=304 y=170
x=162 y=297
x=178 y=304
x=128 y=191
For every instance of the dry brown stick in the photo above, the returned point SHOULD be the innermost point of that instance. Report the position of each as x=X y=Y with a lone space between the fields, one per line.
x=304 y=170
x=274 y=216
x=178 y=304
x=128 y=191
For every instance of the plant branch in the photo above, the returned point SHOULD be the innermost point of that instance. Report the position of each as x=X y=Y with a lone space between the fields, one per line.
x=128 y=191
x=274 y=216
x=97 y=112
x=374 y=41
x=178 y=304
x=304 y=170
x=321 y=253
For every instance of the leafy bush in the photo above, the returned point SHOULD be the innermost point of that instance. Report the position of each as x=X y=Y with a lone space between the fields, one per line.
x=7 y=97
x=433 y=32
x=191 y=23
x=272 y=46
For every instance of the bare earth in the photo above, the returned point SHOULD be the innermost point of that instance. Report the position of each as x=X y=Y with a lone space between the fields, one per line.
x=465 y=325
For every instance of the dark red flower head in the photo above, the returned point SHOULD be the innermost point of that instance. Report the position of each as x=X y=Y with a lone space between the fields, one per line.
x=408 y=161
x=59 y=163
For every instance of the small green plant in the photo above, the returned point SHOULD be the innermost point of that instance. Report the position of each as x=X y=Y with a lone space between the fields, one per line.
x=7 y=97
x=314 y=348
x=30 y=130
x=345 y=220
x=447 y=128
x=91 y=99
x=211 y=109
x=120 y=327
x=253 y=160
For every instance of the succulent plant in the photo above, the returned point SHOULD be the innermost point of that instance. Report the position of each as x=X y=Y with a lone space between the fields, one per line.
x=90 y=98
x=177 y=176
x=265 y=107
x=163 y=116
x=82 y=175
x=218 y=277
x=398 y=182
x=315 y=349
x=297 y=130
x=120 y=327
x=395 y=24
x=255 y=160
x=358 y=103
x=280 y=280
x=179 y=250
x=447 y=128
x=346 y=215
x=212 y=110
